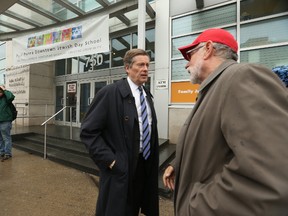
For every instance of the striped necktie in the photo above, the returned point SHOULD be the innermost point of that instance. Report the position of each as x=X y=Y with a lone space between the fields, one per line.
x=145 y=126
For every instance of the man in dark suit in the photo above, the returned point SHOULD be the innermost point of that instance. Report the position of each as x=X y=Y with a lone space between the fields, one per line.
x=123 y=143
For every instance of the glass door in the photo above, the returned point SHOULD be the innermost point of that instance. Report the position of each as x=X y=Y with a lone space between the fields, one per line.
x=71 y=102
x=98 y=85
x=59 y=104
x=88 y=89
x=85 y=97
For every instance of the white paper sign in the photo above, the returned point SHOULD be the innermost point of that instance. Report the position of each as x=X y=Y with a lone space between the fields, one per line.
x=161 y=84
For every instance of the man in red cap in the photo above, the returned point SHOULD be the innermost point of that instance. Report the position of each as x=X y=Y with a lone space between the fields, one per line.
x=232 y=155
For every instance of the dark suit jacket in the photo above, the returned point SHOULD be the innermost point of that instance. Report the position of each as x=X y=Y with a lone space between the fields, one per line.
x=110 y=132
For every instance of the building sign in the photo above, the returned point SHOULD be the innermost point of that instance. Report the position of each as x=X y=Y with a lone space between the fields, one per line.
x=161 y=84
x=17 y=81
x=76 y=39
x=183 y=92
x=71 y=87
x=91 y=61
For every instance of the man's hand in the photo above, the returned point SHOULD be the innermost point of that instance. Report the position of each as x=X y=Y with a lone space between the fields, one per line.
x=2 y=87
x=169 y=177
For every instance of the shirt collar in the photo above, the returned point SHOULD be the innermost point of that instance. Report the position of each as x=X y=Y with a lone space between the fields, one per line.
x=132 y=84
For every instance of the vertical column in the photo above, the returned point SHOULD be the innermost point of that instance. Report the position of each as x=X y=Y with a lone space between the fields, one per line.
x=162 y=65
x=141 y=23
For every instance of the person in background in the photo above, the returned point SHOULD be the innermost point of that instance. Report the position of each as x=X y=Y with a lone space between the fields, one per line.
x=232 y=154
x=120 y=133
x=6 y=98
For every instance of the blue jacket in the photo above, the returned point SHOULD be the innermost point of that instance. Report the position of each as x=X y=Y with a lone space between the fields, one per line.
x=5 y=101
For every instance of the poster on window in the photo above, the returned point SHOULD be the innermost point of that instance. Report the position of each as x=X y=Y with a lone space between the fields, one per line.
x=67 y=41
x=184 y=92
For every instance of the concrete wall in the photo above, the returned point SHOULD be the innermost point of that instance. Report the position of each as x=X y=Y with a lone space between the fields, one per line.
x=41 y=92
x=177 y=117
x=33 y=87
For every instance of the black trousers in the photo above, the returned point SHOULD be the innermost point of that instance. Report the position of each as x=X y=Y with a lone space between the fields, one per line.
x=138 y=185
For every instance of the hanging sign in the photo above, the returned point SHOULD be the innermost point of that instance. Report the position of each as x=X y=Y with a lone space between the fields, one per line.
x=76 y=39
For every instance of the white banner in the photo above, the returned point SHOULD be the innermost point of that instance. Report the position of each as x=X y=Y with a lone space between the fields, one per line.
x=76 y=39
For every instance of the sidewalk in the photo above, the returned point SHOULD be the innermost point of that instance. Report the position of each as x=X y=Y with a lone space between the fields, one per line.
x=32 y=186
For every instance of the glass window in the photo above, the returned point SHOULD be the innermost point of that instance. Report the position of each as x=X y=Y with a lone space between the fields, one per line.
x=98 y=86
x=203 y=20
x=2 y=77
x=2 y=50
x=149 y=43
x=2 y=64
x=120 y=46
x=53 y=7
x=182 y=41
x=134 y=40
x=59 y=102
x=60 y=66
x=178 y=70
x=257 y=34
x=27 y=13
x=271 y=57
x=86 y=5
x=5 y=29
x=72 y=65
x=15 y=22
x=84 y=99
x=259 y=8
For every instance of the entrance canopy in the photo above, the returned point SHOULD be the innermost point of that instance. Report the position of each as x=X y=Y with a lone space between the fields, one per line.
x=19 y=17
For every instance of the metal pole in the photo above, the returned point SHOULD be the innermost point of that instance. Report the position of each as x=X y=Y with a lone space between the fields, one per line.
x=71 y=122
x=45 y=141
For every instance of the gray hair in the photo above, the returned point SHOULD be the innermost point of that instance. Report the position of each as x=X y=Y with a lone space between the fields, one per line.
x=225 y=52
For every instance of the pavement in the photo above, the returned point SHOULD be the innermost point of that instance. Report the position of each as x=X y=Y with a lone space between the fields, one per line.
x=33 y=186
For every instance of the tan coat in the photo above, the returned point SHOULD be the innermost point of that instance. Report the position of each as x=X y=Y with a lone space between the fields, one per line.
x=232 y=155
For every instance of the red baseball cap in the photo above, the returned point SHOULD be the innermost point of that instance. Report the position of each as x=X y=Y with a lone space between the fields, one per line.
x=215 y=35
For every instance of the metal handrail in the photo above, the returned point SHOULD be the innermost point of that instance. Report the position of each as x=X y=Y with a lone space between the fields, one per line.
x=45 y=123
x=53 y=116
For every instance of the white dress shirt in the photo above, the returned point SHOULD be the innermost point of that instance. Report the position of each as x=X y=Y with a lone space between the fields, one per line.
x=136 y=95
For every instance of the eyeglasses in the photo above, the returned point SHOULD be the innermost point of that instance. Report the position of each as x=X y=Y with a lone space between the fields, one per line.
x=192 y=51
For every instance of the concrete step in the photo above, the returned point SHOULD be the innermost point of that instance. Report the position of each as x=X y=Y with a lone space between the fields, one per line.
x=73 y=153
x=68 y=145
x=67 y=158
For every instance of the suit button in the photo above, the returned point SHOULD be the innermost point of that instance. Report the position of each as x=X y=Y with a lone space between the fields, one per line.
x=126 y=118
